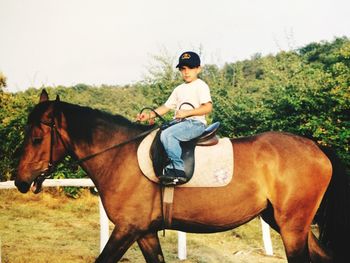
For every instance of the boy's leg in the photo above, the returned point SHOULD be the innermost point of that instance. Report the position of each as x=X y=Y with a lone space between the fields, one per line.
x=171 y=137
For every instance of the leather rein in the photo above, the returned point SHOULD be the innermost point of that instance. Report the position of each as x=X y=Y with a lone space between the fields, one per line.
x=45 y=174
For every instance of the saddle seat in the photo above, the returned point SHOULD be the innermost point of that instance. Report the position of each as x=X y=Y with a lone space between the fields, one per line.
x=159 y=157
x=209 y=137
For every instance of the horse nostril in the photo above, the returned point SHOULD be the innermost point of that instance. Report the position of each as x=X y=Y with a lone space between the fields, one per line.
x=23 y=187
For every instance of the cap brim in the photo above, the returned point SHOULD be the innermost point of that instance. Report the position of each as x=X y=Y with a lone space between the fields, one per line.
x=187 y=64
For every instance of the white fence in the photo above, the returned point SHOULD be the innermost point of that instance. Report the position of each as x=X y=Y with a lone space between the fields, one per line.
x=104 y=222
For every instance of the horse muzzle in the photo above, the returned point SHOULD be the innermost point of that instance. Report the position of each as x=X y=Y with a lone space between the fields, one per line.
x=22 y=186
x=35 y=185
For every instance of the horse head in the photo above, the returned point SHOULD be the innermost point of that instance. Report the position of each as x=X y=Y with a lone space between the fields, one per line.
x=43 y=145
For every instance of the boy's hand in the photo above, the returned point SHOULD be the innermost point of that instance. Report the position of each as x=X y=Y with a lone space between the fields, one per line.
x=145 y=117
x=182 y=114
x=142 y=117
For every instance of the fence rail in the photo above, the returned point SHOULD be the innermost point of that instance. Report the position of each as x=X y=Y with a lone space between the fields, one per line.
x=55 y=183
x=104 y=222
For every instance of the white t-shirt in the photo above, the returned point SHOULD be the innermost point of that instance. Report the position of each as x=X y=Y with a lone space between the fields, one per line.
x=196 y=92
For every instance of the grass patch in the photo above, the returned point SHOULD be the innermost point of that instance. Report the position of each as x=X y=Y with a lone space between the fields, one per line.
x=50 y=227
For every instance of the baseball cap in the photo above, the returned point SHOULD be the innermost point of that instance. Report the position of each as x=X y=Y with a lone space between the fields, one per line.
x=190 y=59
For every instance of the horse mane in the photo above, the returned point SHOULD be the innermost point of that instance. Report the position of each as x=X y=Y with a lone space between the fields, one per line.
x=83 y=121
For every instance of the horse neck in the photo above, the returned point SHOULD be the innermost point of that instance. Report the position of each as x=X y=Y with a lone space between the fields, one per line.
x=103 y=140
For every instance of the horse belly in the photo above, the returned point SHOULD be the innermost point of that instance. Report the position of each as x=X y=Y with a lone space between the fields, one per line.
x=217 y=209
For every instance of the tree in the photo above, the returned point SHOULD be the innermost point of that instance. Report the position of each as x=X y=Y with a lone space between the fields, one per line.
x=2 y=80
x=13 y=113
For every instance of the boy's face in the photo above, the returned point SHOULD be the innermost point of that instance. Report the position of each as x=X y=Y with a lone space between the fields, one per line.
x=189 y=74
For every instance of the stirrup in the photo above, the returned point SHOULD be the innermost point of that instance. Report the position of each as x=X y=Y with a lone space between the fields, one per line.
x=168 y=181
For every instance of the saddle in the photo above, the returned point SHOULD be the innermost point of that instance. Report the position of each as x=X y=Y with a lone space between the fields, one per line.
x=160 y=159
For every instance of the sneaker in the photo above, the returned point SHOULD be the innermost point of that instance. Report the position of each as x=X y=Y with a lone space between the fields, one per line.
x=173 y=177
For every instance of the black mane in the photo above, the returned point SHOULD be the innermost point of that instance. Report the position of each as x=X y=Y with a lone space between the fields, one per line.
x=83 y=121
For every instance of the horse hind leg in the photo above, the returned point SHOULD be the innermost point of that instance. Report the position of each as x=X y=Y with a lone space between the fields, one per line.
x=304 y=248
x=316 y=252
x=296 y=245
x=294 y=240
x=151 y=249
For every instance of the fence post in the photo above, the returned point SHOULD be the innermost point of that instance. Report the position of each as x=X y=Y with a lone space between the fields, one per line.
x=266 y=237
x=181 y=245
x=104 y=226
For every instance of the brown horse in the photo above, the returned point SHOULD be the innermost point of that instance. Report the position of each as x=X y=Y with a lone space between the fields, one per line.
x=280 y=176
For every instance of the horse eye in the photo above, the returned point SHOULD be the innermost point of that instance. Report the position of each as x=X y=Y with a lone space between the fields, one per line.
x=37 y=140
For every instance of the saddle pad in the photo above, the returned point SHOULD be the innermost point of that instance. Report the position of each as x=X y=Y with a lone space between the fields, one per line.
x=213 y=164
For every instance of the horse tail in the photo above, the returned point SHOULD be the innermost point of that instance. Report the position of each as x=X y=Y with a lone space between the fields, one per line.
x=333 y=215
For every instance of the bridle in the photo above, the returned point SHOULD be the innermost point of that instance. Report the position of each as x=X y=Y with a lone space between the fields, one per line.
x=46 y=173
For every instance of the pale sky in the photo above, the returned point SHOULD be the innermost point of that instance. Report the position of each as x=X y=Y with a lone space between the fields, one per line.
x=66 y=42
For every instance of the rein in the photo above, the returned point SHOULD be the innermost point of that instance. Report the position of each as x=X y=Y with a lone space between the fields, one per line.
x=143 y=134
x=53 y=130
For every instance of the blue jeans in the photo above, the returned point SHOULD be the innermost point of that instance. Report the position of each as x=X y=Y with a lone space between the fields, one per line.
x=171 y=137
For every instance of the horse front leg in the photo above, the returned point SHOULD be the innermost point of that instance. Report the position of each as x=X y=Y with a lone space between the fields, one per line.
x=118 y=243
x=151 y=249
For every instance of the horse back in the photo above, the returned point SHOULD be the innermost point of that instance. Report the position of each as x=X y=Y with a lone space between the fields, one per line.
x=280 y=164
x=282 y=149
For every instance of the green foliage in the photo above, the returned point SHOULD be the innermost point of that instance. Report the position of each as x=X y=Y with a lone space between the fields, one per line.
x=2 y=81
x=66 y=170
x=13 y=114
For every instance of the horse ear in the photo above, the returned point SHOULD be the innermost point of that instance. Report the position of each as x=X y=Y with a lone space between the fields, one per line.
x=57 y=97
x=44 y=96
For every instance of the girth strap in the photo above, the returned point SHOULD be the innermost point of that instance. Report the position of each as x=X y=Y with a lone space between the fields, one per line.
x=168 y=198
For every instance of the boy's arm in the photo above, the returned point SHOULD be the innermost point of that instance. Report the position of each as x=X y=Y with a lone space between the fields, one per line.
x=203 y=109
x=161 y=110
